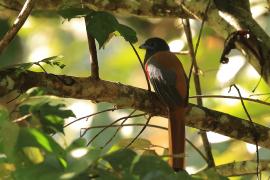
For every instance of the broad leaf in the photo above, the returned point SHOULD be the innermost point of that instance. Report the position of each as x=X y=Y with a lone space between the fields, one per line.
x=80 y=159
x=100 y=25
x=147 y=164
x=128 y=33
x=51 y=117
x=8 y=134
x=29 y=137
x=121 y=160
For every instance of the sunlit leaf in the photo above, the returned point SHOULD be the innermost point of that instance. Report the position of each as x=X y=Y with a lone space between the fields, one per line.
x=139 y=143
x=29 y=137
x=80 y=159
x=54 y=61
x=8 y=134
x=33 y=154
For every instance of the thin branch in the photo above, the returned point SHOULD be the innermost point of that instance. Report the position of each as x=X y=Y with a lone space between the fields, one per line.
x=114 y=122
x=201 y=29
x=153 y=126
x=93 y=54
x=207 y=146
x=256 y=134
x=88 y=116
x=141 y=131
x=22 y=118
x=18 y=23
x=232 y=97
x=118 y=129
x=124 y=125
x=145 y=74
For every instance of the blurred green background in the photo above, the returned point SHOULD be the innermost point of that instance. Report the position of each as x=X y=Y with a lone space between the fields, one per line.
x=44 y=35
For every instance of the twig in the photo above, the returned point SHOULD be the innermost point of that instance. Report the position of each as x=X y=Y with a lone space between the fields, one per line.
x=196 y=149
x=18 y=23
x=76 y=120
x=141 y=131
x=207 y=146
x=153 y=126
x=145 y=74
x=260 y=94
x=253 y=126
x=231 y=97
x=22 y=118
x=123 y=125
x=198 y=41
x=101 y=131
x=93 y=53
x=118 y=129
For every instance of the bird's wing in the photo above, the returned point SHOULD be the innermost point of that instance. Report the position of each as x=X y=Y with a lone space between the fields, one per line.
x=164 y=83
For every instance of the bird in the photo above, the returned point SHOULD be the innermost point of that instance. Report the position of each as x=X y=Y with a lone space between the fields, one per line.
x=167 y=76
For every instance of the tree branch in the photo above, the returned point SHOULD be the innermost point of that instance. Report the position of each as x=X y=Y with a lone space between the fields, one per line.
x=242 y=168
x=125 y=96
x=18 y=23
x=224 y=17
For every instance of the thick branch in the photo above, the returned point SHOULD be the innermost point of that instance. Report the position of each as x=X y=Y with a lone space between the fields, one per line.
x=238 y=12
x=242 y=168
x=131 y=97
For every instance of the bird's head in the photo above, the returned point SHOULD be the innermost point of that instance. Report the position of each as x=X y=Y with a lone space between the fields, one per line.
x=154 y=45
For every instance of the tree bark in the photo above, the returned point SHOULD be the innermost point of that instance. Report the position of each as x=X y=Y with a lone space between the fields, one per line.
x=124 y=96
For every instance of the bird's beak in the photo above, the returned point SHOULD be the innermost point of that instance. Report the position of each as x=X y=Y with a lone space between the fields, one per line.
x=145 y=46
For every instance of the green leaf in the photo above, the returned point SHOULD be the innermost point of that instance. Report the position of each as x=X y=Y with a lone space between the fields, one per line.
x=128 y=33
x=47 y=170
x=51 y=117
x=139 y=144
x=29 y=137
x=8 y=134
x=147 y=164
x=100 y=25
x=121 y=160
x=54 y=61
x=33 y=154
x=77 y=143
x=80 y=159
x=73 y=12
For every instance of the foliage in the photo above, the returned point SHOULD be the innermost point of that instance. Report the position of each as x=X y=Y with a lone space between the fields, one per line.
x=34 y=153
x=100 y=25
x=29 y=149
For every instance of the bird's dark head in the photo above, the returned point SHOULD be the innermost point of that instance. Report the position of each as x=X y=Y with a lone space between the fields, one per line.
x=154 y=45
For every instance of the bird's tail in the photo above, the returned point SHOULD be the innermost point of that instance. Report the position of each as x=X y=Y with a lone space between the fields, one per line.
x=176 y=128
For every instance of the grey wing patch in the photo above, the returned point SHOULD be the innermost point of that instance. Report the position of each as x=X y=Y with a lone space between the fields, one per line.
x=164 y=82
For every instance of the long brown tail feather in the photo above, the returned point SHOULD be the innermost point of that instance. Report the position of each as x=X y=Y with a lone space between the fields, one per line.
x=176 y=130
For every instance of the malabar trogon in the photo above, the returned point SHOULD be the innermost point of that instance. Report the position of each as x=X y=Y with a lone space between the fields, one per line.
x=169 y=80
